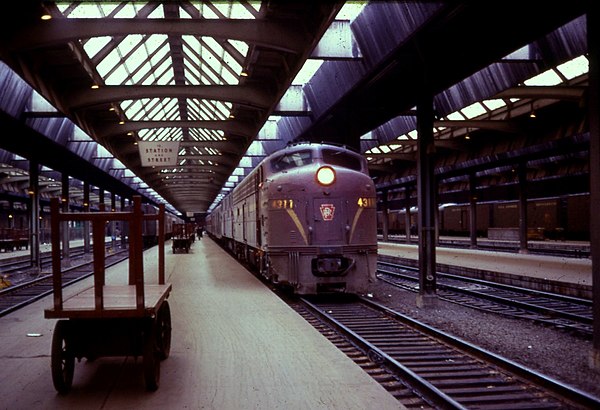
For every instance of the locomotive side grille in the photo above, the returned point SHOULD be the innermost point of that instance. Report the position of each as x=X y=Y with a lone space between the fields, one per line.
x=294 y=259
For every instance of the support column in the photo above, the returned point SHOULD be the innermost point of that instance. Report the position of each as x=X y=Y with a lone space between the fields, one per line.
x=101 y=198
x=64 y=200
x=86 y=224
x=407 y=224
x=426 y=201
x=593 y=31
x=385 y=218
x=473 y=209
x=34 y=215
x=522 y=171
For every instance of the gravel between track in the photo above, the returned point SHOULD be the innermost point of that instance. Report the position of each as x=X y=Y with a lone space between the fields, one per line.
x=556 y=354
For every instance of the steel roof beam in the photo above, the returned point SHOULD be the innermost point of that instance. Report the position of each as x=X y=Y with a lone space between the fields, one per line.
x=496 y=125
x=266 y=33
x=558 y=92
x=245 y=129
x=247 y=95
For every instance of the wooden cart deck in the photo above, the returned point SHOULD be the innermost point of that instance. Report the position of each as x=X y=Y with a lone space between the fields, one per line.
x=110 y=320
x=119 y=302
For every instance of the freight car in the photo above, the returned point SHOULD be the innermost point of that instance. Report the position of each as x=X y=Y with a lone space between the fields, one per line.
x=305 y=217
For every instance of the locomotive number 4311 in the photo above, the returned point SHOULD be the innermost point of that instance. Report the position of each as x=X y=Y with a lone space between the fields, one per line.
x=366 y=202
x=282 y=203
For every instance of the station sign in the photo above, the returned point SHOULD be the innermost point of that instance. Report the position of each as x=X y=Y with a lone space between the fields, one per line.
x=158 y=153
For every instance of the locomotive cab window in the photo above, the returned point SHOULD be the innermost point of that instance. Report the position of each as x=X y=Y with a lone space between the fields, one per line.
x=291 y=160
x=342 y=159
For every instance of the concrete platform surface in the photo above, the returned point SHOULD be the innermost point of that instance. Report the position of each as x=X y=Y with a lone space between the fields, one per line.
x=234 y=346
x=552 y=268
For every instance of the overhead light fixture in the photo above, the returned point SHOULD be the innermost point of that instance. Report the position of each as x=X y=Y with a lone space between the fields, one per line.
x=244 y=73
x=532 y=114
x=121 y=122
x=467 y=136
x=46 y=16
x=95 y=86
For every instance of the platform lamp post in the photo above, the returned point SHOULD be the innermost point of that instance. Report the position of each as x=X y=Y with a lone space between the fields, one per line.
x=34 y=215
x=65 y=234
x=86 y=224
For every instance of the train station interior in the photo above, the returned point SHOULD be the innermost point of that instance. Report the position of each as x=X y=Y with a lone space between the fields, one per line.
x=479 y=122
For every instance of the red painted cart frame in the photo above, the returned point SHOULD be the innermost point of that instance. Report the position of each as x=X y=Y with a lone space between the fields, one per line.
x=105 y=320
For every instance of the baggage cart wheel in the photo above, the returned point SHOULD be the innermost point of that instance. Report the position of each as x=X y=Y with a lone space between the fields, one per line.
x=151 y=359
x=163 y=325
x=62 y=358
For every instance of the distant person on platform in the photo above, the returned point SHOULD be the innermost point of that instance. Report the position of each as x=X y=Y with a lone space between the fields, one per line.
x=199 y=232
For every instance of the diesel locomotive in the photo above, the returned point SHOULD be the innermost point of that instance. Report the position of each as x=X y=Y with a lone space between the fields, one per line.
x=305 y=218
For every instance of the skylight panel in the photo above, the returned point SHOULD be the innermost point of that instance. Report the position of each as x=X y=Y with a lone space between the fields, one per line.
x=574 y=68
x=161 y=134
x=548 y=77
x=351 y=10
x=151 y=109
x=455 y=116
x=167 y=76
x=129 y=10
x=413 y=134
x=157 y=13
x=108 y=63
x=385 y=149
x=240 y=46
x=129 y=43
x=102 y=152
x=309 y=69
x=494 y=104
x=256 y=148
x=160 y=54
x=118 y=76
x=209 y=109
x=93 y=45
x=87 y=10
x=245 y=162
x=473 y=110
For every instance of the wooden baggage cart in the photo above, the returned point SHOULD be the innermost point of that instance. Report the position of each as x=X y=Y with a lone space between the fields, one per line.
x=183 y=237
x=110 y=320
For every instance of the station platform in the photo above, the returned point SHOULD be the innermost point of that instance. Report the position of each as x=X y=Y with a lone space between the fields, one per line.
x=570 y=276
x=235 y=345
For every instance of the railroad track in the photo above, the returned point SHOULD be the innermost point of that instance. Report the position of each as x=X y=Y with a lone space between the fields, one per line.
x=440 y=371
x=17 y=296
x=562 y=312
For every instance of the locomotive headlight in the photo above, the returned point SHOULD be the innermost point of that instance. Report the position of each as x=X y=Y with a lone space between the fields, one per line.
x=325 y=176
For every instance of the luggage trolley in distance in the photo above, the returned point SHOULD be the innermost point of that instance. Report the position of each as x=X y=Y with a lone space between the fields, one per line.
x=183 y=236
x=110 y=320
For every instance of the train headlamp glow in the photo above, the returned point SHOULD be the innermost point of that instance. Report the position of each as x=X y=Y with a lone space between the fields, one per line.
x=325 y=176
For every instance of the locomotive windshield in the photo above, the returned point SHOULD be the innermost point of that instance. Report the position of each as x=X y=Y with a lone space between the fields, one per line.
x=291 y=160
x=342 y=159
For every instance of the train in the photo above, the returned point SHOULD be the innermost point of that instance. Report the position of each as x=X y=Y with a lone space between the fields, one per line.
x=15 y=226
x=305 y=218
x=556 y=218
